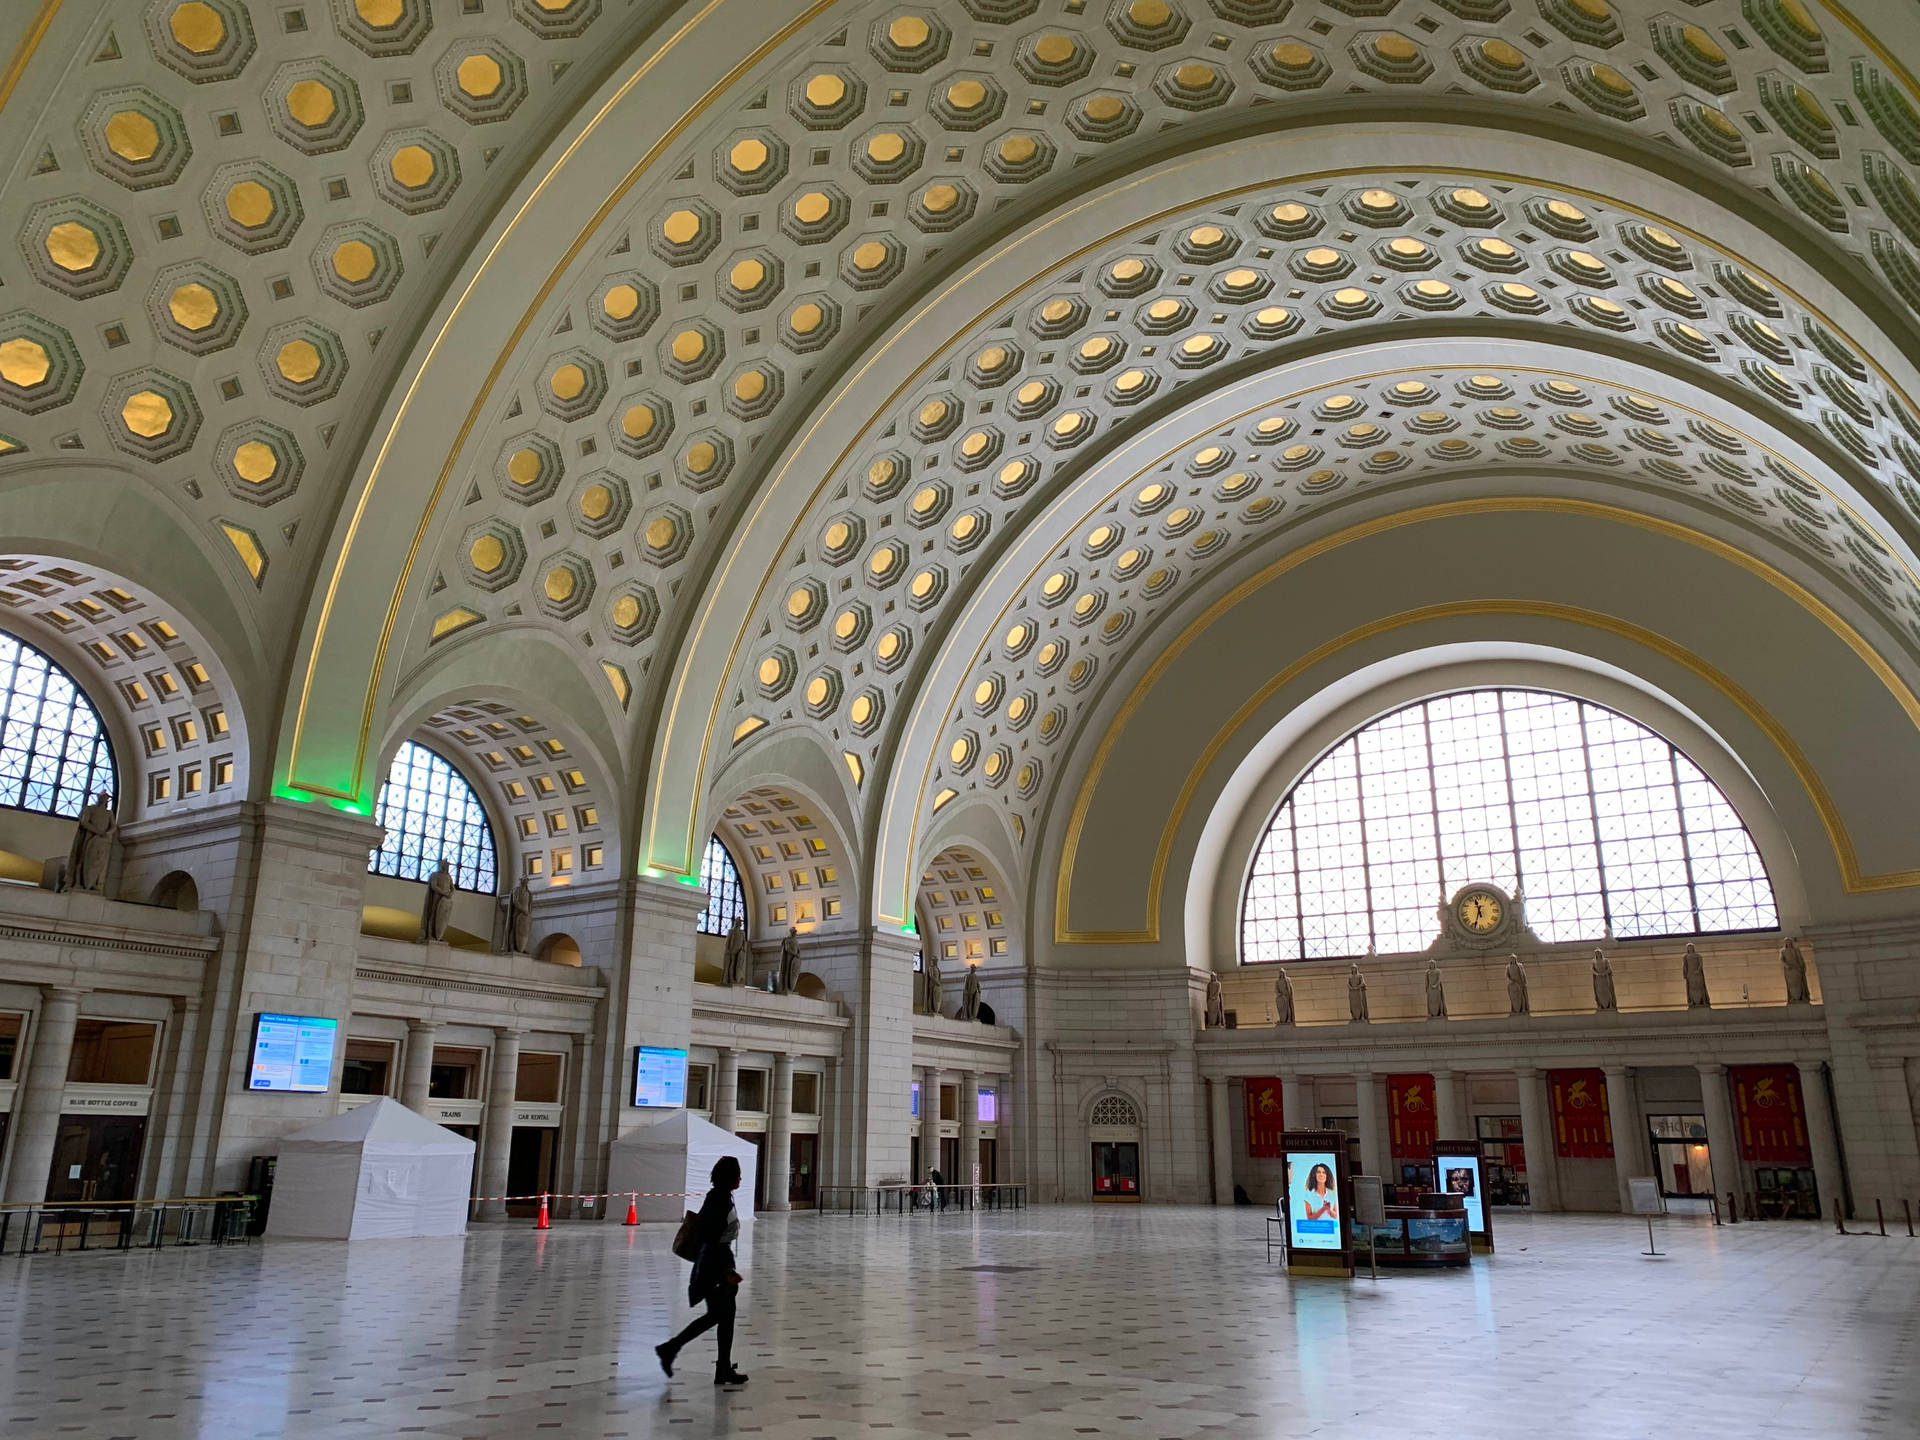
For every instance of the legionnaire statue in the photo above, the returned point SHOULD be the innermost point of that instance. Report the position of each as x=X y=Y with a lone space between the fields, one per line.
x=1517 y=1002
x=1283 y=998
x=1794 y=965
x=970 y=996
x=436 y=912
x=1436 y=992
x=92 y=848
x=1216 y=1003
x=930 y=963
x=1695 y=970
x=739 y=955
x=789 y=973
x=1356 y=996
x=1603 y=999
x=520 y=917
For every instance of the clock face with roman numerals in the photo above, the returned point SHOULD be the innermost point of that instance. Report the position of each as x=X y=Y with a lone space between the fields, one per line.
x=1480 y=910
x=1480 y=914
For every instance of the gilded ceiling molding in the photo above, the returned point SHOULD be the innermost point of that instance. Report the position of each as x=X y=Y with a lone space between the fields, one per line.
x=23 y=52
x=1854 y=880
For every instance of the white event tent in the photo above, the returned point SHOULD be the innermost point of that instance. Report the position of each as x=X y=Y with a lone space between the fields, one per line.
x=674 y=1156
x=380 y=1171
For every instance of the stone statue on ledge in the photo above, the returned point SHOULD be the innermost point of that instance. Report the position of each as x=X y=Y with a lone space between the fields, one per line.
x=1794 y=965
x=436 y=911
x=1695 y=970
x=970 y=996
x=1436 y=992
x=520 y=918
x=92 y=848
x=739 y=957
x=1357 y=996
x=1603 y=998
x=1283 y=998
x=788 y=976
x=931 y=964
x=1216 y=1003
x=1517 y=1001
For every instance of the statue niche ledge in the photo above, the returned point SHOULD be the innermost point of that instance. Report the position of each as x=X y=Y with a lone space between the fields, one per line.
x=436 y=964
x=32 y=912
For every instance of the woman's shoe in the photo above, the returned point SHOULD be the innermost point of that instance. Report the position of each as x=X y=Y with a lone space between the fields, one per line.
x=729 y=1377
x=666 y=1353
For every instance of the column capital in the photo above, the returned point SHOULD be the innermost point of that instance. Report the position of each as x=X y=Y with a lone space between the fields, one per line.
x=1438 y=1070
x=1810 y=1067
x=1710 y=1068
x=509 y=1032
x=422 y=1027
x=1526 y=1072
x=1616 y=1069
x=66 y=994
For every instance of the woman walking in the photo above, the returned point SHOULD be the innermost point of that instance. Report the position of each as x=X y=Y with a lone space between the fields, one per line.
x=714 y=1281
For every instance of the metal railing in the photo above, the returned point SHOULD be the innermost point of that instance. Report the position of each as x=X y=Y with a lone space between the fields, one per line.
x=904 y=1199
x=58 y=1226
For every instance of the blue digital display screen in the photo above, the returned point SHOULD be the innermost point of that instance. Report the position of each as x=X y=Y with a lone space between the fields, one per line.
x=292 y=1052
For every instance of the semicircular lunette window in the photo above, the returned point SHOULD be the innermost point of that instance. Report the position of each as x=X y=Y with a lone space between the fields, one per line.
x=1605 y=828
x=431 y=812
x=726 y=897
x=53 y=747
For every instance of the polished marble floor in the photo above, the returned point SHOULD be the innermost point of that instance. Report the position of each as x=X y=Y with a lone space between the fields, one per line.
x=1056 y=1322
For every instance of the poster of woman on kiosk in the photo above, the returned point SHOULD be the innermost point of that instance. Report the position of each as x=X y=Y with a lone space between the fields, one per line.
x=1313 y=1201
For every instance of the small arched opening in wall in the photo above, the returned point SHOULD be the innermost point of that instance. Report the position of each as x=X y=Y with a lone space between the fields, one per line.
x=559 y=949
x=1115 y=1149
x=177 y=891
x=966 y=921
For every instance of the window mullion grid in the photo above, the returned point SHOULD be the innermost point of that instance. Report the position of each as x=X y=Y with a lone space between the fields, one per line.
x=1513 y=817
x=1686 y=845
x=1433 y=800
x=1366 y=861
x=1593 y=818
x=1299 y=912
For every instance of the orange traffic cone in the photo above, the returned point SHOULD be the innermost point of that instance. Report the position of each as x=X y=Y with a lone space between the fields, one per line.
x=544 y=1222
x=633 y=1211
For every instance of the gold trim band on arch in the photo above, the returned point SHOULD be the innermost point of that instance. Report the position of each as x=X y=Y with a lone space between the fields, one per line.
x=829 y=472
x=485 y=390
x=1853 y=880
x=23 y=52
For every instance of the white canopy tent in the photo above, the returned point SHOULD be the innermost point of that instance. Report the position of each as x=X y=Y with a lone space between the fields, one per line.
x=380 y=1171
x=674 y=1156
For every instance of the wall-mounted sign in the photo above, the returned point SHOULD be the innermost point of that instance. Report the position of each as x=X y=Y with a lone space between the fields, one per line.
x=455 y=1112
x=106 y=1100
x=545 y=1116
x=659 y=1077
x=292 y=1052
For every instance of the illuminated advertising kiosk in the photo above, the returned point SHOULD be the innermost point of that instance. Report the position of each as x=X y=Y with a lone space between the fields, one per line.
x=1457 y=1171
x=1315 y=1202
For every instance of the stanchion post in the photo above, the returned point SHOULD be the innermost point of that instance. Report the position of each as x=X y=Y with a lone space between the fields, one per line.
x=1880 y=1214
x=1907 y=1205
x=1839 y=1220
x=1733 y=1208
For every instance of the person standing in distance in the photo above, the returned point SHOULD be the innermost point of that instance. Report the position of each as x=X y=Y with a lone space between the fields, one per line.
x=714 y=1281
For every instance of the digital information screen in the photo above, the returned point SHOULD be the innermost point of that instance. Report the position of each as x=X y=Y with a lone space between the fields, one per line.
x=1460 y=1175
x=292 y=1052
x=989 y=1107
x=659 y=1077
x=1313 y=1200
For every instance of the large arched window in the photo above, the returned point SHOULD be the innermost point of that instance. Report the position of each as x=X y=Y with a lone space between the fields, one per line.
x=1605 y=827
x=431 y=812
x=53 y=746
x=726 y=897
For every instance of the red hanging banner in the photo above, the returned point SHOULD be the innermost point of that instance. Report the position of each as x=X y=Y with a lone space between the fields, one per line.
x=1582 y=1129
x=1411 y=1116
x=1265 y=1117
x=1768 y=1109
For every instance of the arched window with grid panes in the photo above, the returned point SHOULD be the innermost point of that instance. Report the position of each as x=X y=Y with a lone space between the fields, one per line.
x=54 y=753
x=430 y=812
x=726 y=896
x=1606 y=828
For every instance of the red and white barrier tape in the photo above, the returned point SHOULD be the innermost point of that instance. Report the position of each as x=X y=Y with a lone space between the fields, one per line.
x=603 y=1195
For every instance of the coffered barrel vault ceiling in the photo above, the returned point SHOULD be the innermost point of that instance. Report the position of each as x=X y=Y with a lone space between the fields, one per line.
x=240 y=225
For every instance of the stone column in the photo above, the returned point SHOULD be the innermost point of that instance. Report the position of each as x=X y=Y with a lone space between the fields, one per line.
x=969 y=1126
x=1372 y=1142
x=1629 y=1144
x=1536 y=1137
x=1826 y=1152
x=418 y=1079
x=1292 y=1099
x=779 y=1151
x=830 y=1167
x=1220 y=1113
x=36 y=1108
x=171 y=1100
x=498 y=1144
x=1723 y=1141
x=1447 y=1112
x=726 y=1089
x=870 y=972
x=929 y=1123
